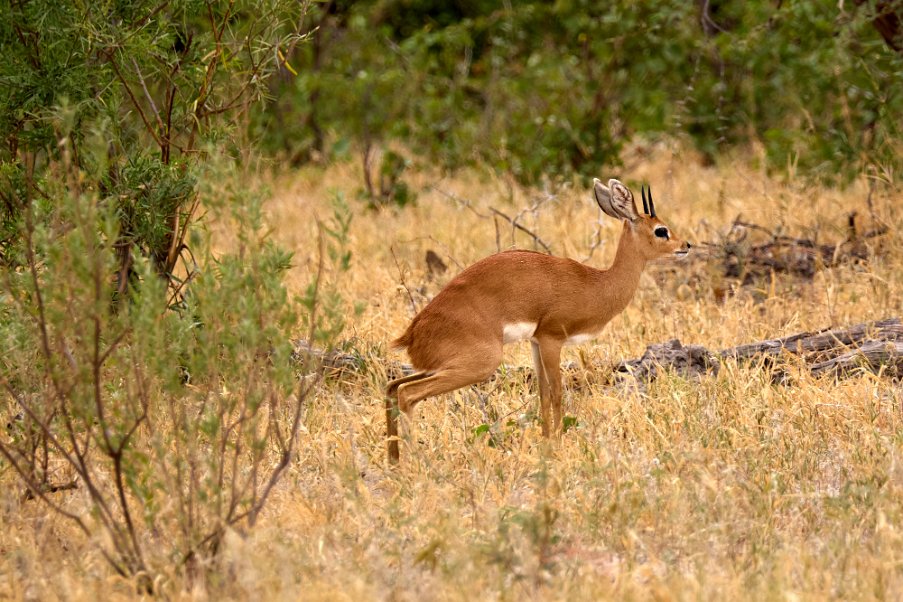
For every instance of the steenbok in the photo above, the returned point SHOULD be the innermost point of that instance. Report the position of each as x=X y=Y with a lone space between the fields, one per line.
x=457 y=339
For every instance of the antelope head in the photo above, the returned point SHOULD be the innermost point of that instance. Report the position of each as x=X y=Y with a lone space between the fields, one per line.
x=651 y=237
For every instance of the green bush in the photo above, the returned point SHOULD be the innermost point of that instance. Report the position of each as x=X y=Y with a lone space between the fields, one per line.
x=174 y=425
x=130 y=94
x=552 y=89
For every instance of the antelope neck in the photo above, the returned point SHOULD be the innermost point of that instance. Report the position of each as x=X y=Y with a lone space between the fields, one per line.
x=623 y=277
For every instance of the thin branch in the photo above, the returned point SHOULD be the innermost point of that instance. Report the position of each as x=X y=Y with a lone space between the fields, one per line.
x=147 y=94
x=136 y=25
x=513 y=221
x=596 y=242
x=401 y=277
x=128 y=89
x=515 y=225
x=36 y=489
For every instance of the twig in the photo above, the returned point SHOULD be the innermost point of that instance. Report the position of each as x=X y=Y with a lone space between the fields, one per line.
x=527 y=231
x=596 y=242
x=513 y=221
x=401 y=277
x=147 y=94
x=128 y=89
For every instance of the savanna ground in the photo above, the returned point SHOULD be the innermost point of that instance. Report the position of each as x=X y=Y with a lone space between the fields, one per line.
x=728 y=487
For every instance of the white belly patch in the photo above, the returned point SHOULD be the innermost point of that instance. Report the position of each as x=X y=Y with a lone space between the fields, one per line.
x=518 y=331
x=577 y=339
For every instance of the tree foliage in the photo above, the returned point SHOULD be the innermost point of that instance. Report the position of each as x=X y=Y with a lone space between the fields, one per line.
x=131 y=94
x=550 y=89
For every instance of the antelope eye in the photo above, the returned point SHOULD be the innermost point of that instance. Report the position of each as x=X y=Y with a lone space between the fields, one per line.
x=661 y=232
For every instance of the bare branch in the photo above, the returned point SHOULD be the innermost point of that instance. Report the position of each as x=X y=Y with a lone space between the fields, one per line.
x=147 y=94
x=128 y=90
x=401 y=277
x=511 y=220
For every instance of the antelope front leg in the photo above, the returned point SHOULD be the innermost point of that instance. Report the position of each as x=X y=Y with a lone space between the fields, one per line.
x=392 y=429
x=555 y=390
x=547 y=362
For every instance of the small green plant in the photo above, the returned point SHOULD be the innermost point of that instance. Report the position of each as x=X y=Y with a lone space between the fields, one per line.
x=321 y=294
x=569 y=422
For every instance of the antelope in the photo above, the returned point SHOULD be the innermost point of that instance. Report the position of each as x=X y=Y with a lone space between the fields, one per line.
x=457 y=339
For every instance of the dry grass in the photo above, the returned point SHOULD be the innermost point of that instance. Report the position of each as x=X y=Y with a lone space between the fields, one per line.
x=725 y=488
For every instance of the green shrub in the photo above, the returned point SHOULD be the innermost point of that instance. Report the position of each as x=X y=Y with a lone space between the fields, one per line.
x=130 y=94
x=547 y=90
x=174 y=426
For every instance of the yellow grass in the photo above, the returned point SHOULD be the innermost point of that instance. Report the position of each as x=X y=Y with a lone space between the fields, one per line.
x=725 y=488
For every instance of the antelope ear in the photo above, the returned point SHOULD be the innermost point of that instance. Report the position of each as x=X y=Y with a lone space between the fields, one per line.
x=603 y=199
x=622 y=200
x=615 y=200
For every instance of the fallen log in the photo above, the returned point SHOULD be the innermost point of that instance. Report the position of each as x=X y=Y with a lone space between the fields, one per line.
x=872 y=346
x=821 y=342
x=689 y=360
x=881 y=357
x=749 y=261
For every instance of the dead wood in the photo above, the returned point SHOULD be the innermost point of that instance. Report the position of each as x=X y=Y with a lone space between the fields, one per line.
x=750 y=252
x=336 y=364
x=875 y=347
x=872 y=346
x=689 y=360
x=881 y=357
x=824 y=344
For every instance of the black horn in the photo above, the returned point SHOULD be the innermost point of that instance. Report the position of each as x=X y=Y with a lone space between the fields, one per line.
x=651 y=204
x=645 y=206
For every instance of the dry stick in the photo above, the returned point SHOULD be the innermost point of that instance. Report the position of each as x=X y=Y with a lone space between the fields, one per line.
x=401 y=277
x=514 y=224
x=596 y=241
x=365 y=157
x=534 y=208
x=513 y=221
x=192 y=272
x=128 y=90
x=178 y=234
x=498 y=234
x=147 y=94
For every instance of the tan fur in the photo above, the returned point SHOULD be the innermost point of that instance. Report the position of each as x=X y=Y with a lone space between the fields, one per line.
x=457 y=339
